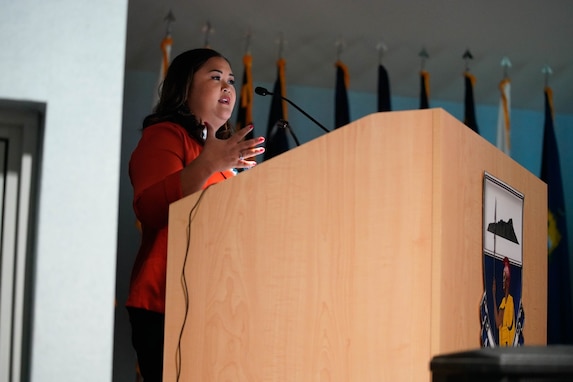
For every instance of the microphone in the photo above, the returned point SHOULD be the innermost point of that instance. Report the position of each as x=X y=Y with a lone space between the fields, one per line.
x=263 y=92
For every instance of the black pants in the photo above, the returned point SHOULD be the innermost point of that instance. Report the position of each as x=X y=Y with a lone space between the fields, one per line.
x=147 y=336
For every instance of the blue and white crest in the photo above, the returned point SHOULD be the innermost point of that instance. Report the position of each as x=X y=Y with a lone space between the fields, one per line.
x=501 y=309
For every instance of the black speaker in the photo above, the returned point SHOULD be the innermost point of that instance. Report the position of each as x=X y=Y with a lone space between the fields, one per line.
x=513 y=364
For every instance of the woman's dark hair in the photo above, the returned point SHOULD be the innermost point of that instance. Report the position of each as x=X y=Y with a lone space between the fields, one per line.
x=172 y=105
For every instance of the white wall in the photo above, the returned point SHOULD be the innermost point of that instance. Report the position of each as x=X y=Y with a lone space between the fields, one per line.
x=70 y=55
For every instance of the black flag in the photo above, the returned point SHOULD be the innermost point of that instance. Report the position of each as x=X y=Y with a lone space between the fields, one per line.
x=277 y=139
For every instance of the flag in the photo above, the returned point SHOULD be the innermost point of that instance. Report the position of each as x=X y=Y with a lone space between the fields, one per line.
x=384 y=102
x=559 y=309
x=166 y=44
x=341 y=108
x=245 y=110
x=424 y=89
x=469 y=112
x=277 y=139
x=504 y=117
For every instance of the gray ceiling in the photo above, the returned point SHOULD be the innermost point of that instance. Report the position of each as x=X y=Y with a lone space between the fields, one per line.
x=531 y=33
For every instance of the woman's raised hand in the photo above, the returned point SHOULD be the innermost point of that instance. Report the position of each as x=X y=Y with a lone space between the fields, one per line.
x=234 y=152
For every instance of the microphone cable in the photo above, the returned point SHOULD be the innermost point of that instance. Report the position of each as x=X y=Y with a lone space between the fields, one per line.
x=183 y=278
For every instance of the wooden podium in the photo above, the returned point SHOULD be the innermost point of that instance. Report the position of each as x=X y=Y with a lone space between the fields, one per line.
x=354 y=257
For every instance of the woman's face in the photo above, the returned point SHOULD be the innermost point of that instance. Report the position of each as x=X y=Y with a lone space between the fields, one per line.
x=212 y=94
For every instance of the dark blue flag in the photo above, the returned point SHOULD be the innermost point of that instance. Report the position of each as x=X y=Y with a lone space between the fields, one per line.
x=384 y=102
x=469 y=104
x=277 y=139
x=559 y=309
x=341 y=107
x=424 y=90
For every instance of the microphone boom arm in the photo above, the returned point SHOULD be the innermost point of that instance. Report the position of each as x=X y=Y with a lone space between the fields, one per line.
x=263 y=92
x=307 y=115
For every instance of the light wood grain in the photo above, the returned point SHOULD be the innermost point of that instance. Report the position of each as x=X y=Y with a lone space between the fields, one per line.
x=354 y=257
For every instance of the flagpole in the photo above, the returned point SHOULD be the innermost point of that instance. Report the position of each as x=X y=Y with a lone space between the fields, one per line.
x=248 y=42
x=467 y=57
x=339 y=48
x=382 y=49
x=166 y=44
x=423 y=57
x=547 y=71
x=170 y=19
x=281 y=42
x=207 y=30
x=506 y=65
